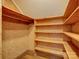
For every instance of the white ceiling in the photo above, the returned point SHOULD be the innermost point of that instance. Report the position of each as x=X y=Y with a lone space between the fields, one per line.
x=42 y=8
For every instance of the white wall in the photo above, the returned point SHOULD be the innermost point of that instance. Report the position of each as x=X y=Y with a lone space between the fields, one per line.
x=42 y=8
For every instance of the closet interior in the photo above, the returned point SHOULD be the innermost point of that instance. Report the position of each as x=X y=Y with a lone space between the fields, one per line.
x=48 y=38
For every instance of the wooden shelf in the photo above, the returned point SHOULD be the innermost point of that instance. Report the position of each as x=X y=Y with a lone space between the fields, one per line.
x=73 y=18
x=50 y=38
x=72 y=35
x=72 y=4
x=70 y=52
x=31 y=57
x=48 y=31
x=48 y=24
x=51 y=51
x=7 y=13
x=50 y=18
x=50 y=21
x=49 y=41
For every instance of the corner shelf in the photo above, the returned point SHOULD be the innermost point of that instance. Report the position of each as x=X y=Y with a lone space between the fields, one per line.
x=73 y=18
x=70 y=52
x=14 y=16
x=72 y=35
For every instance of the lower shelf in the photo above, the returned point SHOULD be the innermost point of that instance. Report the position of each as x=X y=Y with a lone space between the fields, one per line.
x=70 y=52
x=33 y=57
x=59 y=53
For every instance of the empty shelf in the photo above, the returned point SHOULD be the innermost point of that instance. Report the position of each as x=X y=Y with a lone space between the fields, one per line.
x=72 y=35
x=51 y=18
x=49 y=38
x=74 y=17
x=70 y=52
x=15 y=16
x=28 y=56
x=49 y=41
x=48 y=31
x=47 y=24
x=51 y=51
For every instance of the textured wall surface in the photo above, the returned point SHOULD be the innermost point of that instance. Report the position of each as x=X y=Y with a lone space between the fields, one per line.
x=17 y=38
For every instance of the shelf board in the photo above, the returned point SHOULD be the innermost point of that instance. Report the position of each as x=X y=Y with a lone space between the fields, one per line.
x=48 y=24
x=51 y=38
x=72 y=35
x=15 y=16
x=70 y=52
x=31 y=57
x=73 y=18
x=48 y=31
x=50 y=18
x=49 y=41
x=59 y=48
x=51 y=51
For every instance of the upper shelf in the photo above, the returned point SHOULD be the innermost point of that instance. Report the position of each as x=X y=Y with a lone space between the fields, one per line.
x=73 y=18
x=14 y=15
x=50 y=18
x=48 y=24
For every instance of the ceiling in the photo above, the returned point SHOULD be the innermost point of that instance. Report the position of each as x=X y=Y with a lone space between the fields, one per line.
x=42 y=8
